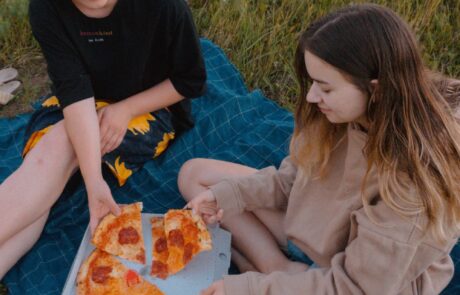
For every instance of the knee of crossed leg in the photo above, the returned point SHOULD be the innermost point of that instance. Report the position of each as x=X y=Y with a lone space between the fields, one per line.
x=189 y=175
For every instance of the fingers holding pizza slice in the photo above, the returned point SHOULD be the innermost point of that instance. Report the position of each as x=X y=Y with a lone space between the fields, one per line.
x=177 y=238
x=122 y=235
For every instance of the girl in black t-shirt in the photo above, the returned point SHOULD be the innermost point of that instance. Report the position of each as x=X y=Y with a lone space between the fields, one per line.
x=121 y=73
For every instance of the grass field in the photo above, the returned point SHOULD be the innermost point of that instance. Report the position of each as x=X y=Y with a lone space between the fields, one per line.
x=259 y=36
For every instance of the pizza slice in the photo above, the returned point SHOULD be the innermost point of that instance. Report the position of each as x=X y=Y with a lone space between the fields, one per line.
x=101 y=273
x=186 y=236
x=122 y=235
x=160 y=251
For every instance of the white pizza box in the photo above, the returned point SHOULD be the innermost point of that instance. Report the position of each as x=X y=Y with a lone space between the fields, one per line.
x=204 y=268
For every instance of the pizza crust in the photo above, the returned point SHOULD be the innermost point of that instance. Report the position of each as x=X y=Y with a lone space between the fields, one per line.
x=204 y=237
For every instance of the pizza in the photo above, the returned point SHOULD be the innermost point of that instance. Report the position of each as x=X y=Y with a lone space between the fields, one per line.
x=101 y=273
x=187 y=235
x=160 y=251
x=177 y=238
x=122 y=235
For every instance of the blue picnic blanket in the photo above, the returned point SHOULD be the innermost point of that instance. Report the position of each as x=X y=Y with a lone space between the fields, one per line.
x=232 y=124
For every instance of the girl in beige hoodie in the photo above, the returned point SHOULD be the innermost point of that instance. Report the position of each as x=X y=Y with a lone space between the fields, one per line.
x=368 y=200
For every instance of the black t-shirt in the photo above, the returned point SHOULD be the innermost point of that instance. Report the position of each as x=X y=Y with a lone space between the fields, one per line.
x=140 y=44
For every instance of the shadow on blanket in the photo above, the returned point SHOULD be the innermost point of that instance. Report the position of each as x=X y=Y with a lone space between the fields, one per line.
x=231 y=124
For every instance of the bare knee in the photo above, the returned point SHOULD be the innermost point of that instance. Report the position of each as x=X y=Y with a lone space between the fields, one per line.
x=189 y=177
x=198 y=174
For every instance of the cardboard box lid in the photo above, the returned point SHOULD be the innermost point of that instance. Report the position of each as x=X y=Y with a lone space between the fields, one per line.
x=204 y=268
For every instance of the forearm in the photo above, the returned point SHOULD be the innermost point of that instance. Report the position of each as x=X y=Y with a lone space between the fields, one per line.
x=267 y=188
x=159 y=96
x=247 y=193
x=82 y=126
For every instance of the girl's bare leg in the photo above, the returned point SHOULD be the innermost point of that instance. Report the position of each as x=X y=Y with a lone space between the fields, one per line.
x=27 y=195
x=19 y=244
x=257 y=235
x=242 y=262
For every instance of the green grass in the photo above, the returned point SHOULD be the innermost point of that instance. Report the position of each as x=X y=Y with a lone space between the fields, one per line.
x=259 y=36
x=19 y=49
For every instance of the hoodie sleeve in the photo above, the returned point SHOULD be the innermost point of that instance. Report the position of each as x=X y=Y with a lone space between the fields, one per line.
x=268 y=188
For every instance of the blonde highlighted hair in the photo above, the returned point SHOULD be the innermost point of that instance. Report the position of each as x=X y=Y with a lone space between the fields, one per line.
x=413 y=134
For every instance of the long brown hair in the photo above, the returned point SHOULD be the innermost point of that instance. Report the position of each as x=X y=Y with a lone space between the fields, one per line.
x=413 y=136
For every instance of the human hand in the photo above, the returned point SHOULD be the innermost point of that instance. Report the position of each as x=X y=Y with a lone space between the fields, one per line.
x=100 y=203
x=113 y=123
x=217 y=288
x=205 y=205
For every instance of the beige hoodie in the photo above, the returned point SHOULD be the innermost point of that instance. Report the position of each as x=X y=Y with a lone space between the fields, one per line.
x=326 y=220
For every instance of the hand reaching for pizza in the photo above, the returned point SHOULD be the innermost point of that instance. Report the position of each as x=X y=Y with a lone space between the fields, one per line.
x=217 y=288
x=100 y=203
x=205 y=205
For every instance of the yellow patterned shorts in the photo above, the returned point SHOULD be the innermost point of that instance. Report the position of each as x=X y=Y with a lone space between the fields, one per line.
x=147 y=137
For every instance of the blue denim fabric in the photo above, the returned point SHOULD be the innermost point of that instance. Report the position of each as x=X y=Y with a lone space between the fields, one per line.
x=295 y=254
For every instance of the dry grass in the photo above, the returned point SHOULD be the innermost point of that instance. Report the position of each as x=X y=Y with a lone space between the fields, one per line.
x=19 y=49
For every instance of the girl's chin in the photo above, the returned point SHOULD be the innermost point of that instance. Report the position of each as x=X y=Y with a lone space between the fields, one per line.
x=94 y=4
x=334 y=120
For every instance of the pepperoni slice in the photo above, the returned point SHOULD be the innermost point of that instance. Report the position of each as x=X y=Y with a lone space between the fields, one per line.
x=128 y=235
x=188 y=252
x=161 y=245
x=101 y=274
x=160 y=269
x=176 y=238
x=132 y=278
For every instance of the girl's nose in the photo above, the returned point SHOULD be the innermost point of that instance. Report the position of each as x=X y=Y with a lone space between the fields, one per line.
x=313 y=95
